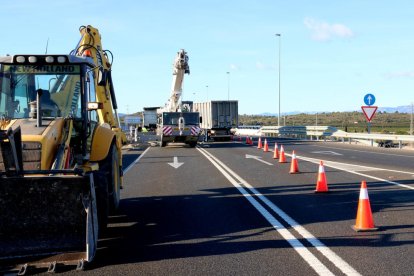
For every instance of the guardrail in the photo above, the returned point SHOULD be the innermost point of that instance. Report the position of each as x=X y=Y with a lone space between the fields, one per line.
x=324 y=132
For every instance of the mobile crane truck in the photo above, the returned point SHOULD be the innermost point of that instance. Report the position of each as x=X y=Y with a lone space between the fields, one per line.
x=176 y=124
x=60 y=155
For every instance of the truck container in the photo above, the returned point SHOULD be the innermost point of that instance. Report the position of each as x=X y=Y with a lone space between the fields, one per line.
x=149 y=118
x=219 y=117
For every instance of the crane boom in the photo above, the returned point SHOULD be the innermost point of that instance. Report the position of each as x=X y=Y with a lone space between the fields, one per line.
x=180 y=68
x=90 y=45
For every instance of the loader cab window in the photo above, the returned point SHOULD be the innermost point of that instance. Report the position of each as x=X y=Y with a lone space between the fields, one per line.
x=90 y=86
x=59 y=86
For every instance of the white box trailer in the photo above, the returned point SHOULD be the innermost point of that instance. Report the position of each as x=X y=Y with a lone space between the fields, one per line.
x=149 y=118
x=218 y=118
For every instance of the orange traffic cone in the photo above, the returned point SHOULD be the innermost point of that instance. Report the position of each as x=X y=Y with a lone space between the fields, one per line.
x=276 y=152
x=266 y=146
x=250 y=141
x=364 y=220
x=259 y=143
x=294 y=164
x=247 y=140
x=282 y=158
x=321 y=183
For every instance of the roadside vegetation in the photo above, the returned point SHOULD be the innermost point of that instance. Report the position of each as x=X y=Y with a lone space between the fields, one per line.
x=383 y=122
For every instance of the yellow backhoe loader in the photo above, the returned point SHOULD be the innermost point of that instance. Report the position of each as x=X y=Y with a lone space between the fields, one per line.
x=60 y=155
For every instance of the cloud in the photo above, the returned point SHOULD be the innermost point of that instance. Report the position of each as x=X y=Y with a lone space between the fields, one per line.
x=235 y=67
x=323 y=31
x=402 y=74
x=262 y=66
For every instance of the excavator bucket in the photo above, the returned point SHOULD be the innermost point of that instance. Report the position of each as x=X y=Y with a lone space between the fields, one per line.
x=46 y=221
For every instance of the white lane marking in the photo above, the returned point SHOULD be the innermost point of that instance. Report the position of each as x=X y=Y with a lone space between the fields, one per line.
x=347 y=167
x=364 y=151
x=136 y=161
x=248 y=156
x=175 y=163
x=338 y=165
x=355 y=170
x=327 y=152
x=311 y=259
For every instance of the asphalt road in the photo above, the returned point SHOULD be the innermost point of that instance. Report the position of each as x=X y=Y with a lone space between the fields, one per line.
x=231 y=209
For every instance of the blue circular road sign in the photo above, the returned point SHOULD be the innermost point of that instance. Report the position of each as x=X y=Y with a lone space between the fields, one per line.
x=369 y=99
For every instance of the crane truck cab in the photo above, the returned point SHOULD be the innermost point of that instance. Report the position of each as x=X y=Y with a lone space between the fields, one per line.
x=179 y=127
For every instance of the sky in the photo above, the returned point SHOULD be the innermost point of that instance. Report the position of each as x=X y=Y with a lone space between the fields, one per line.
x=330 y=53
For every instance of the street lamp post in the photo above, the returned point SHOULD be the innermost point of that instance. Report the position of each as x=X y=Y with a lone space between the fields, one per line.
x=228 y=86
x=207 y=91
x=278 y=117
x=411 y=119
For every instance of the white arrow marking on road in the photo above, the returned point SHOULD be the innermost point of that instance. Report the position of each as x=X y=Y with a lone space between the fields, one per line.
x=175 y=163
x=258 y=159
x=327 y=152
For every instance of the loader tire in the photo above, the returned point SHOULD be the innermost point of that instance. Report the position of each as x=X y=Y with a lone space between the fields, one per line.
x=114 y=181
x=101 y=191
x=110 y=168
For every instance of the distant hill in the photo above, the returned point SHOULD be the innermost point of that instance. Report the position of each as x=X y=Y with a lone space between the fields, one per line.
x=122 y=115
x=387 y=120
x=399 y=109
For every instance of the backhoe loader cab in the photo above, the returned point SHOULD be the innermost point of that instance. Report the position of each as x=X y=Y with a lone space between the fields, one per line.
x=41 y=94
x=60 y=161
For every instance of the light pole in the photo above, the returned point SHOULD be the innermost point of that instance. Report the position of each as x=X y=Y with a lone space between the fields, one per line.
x=228 y=86
x=411 y=119
x=278 y=117
x=207 y=91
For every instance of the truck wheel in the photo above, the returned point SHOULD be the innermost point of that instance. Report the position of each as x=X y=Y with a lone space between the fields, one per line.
x=162 y=143
x=192 y=144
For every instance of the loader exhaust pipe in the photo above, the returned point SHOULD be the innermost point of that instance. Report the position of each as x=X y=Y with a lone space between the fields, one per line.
x=36 y=109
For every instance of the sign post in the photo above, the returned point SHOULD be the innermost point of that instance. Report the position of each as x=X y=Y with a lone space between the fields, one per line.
x=369 y=110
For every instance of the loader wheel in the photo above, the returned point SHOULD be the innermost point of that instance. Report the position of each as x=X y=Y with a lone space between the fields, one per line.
x=110 y=167
x=114 y=180
x=101 y=190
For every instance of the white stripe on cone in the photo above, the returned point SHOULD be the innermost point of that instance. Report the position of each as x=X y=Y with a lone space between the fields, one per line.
x=321 y=168
x=363 y=194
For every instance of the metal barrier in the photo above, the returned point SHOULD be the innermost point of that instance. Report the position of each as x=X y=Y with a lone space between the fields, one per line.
x=324 y=132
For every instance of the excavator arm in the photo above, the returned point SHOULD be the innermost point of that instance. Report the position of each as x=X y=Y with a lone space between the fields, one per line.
x=90 y=46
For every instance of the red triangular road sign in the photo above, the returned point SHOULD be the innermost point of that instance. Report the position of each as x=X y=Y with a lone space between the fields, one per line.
x=369 y=112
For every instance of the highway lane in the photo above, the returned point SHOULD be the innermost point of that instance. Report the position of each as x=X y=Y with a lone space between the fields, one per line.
x=330 y=216
x=195 y=219
x=188 y=220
